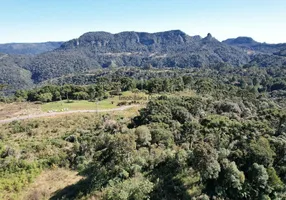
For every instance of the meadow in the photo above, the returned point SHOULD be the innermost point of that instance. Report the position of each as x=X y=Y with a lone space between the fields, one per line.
x=108 y=103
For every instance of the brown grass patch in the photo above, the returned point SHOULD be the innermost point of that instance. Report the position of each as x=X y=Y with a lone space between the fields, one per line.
x=16 y=109
x=49 y=182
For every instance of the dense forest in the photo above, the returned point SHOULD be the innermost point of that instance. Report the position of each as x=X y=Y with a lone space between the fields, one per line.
x=269 y=81
x=211 y=133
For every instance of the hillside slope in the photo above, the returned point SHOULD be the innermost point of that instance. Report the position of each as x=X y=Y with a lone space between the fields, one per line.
x=12 y=72
x=28 y=48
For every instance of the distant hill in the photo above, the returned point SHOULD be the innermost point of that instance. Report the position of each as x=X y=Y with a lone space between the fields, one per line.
x=12 y=72
x=164 y=49
x=241 y=41
x=248 y=43
x=28 y=48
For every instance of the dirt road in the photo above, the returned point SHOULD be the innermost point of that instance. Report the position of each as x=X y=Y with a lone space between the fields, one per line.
x=64 y=113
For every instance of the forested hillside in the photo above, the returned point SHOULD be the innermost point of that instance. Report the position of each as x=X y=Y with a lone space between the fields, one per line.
x=13 y=74
x=100 y=50
x=211 y=133
x=171 y=49
x=28 y=48
x=165 y=49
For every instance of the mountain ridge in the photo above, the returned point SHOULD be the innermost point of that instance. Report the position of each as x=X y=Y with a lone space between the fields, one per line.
x=95 y=50
x=162 y=49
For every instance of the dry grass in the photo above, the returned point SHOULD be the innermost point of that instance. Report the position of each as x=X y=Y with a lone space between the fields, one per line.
x=129 y=113
x=48 y=183
x=47 y=128
x=18 y=109
x=186 y=93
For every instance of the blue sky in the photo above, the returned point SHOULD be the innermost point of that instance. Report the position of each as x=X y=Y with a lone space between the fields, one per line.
x=61 y=20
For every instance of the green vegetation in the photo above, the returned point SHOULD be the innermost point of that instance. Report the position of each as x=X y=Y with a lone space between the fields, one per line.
x=26 y=148
x=90 y=55
x=205 y=134
x=171 y=48
x=13 y=74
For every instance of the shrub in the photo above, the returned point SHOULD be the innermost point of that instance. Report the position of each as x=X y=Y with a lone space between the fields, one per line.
x=143 y=136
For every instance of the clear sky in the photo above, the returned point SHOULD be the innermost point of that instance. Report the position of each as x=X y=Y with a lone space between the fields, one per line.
x=62 y=20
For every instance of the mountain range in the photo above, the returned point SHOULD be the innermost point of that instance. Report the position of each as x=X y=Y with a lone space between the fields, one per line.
x=93 y=50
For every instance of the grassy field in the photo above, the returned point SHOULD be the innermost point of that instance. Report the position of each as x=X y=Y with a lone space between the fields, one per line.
x=87 y=105
x=76 y=105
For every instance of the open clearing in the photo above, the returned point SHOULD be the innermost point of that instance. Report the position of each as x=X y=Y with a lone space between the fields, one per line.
x=27 y=110
x=49 y=182
x=22 y=109
x=109 y=103
x=59 y=106
x=3 y=121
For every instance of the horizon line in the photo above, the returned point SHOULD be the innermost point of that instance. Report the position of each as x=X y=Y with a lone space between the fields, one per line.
x=114 y=33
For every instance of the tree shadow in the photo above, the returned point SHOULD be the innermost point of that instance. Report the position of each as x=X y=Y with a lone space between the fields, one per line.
x=74 y=191
x=168 y=185
x=84 y=186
